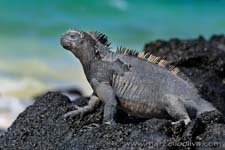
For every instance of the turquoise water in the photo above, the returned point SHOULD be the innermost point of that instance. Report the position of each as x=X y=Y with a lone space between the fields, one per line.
x=30 y=29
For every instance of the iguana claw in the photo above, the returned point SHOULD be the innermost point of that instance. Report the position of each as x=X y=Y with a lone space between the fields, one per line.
x=78 y=111
x=90 y=126
x=185 y=121
x=111 y=122
x=93 y=102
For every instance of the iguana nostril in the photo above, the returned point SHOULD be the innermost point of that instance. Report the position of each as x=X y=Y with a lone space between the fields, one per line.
x=65 y=43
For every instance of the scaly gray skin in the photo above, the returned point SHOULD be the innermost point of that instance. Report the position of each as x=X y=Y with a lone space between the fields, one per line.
x=141 y=88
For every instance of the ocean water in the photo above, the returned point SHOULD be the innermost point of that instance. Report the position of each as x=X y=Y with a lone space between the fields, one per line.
x=32 y=60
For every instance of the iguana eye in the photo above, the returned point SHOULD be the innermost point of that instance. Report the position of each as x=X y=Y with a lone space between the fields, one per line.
x=72 y=36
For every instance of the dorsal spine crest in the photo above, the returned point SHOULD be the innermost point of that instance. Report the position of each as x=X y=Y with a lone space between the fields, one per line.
x=125 y=51
x=155 y=60
x=102 y=38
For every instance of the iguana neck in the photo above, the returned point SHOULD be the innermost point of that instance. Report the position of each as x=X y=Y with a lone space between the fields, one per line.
x=100 y=53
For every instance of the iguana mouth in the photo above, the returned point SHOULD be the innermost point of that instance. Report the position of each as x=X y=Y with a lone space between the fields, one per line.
x=65 y=43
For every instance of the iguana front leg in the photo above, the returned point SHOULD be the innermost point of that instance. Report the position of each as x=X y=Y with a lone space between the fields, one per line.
x=106 y=93
x=92 y=103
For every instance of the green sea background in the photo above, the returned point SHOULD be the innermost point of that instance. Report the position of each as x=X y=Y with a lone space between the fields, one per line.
x=32 y=60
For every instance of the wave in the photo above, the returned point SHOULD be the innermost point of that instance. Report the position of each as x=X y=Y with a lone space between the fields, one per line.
x=24 y=88
x=10 y=107
x=29 y=77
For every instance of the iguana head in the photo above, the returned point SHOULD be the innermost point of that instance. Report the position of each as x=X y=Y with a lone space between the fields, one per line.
x=86 y=46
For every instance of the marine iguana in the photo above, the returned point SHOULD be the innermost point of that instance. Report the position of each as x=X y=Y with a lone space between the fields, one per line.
x=141 y=84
